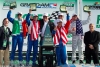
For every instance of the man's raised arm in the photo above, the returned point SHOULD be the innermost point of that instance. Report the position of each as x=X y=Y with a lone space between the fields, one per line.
x=9 y=16
x=67 y=23
x=28 y=17
x=88 y=19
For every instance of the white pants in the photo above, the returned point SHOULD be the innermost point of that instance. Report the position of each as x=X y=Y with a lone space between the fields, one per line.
x=77 y=42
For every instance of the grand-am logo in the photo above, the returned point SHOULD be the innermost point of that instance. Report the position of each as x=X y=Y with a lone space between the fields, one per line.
x=9 y=3
x=95 y=6
x=40 y=5
x=67 y=6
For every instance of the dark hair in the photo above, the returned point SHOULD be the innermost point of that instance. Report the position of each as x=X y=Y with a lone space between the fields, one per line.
x=19 y=15
x=3 y=21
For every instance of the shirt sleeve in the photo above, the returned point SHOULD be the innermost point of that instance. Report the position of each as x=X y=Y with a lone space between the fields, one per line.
x=67 y=23
x=25 y=28
x=53 y=32
x=28 y=19
x=95 y=44
x=85 y=39
x=84 y=22
x=0 y=31
x=9 y=16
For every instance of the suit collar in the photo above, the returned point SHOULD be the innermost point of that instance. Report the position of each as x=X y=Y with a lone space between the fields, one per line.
x=92 y=32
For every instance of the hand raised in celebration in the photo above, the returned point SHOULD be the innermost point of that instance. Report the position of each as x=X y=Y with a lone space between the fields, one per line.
x=89 y=13
x=66 y=12
x=10 y=8
x=30 y=10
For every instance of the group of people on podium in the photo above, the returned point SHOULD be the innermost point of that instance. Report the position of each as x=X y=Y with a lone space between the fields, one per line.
x=33 y=28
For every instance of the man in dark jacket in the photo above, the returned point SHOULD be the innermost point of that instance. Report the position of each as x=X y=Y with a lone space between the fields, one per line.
x=4 y=43
x=91 y=40
x=45 y=25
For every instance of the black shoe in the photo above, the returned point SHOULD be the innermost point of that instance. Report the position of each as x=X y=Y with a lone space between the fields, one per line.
x=36 y=65
x=73 y=62
x=11 y=65
x=21 y=65
x=58 y=66
x=81 y=62
x=96 y=64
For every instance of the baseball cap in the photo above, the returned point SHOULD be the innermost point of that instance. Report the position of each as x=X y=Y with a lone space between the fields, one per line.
x=59 y=20
x=74 y=14
x=45 y=14
x=19 y=13
x=61 y=14
x=35 y=15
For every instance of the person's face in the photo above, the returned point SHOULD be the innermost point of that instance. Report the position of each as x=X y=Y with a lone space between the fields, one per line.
x=45 y=18
x=6 y=22
x=19 y=16
x=35 y=18
x=74 y=17
x=60 y=17
x=91 y=27
x=59 y=24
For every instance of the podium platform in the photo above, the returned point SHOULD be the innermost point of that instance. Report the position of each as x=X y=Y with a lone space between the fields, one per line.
x=80 y=65
x=69 y=53
x=68 y=65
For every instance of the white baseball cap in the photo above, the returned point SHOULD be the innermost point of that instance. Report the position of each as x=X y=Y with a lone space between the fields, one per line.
x=74 y=14
x=35 y=15
x=19 y=13
x=61 y=14
x=45 y=14
x=59 y=20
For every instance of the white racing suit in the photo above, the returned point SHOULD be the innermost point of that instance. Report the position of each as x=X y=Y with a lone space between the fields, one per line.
x=77 y=39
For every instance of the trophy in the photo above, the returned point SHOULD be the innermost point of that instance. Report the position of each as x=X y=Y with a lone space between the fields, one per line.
x=33 y=6
x=86 y=9
x=48 y=40
x=63 y=8
x=13 y=5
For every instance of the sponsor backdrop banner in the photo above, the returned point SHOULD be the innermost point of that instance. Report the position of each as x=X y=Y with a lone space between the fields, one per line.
x=94 y=7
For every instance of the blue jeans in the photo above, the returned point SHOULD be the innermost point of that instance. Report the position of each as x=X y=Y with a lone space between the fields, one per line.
x=17 y=39
x=61 y=54
x=31 y=44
